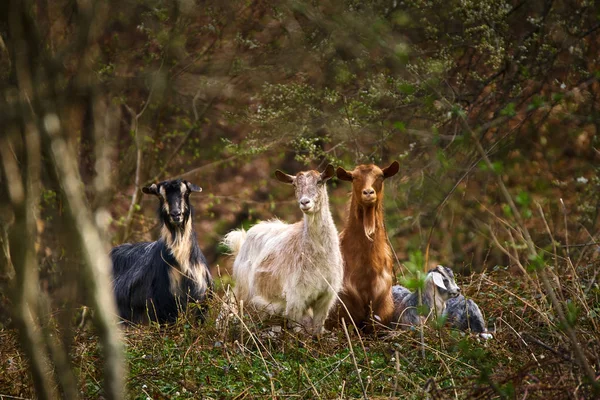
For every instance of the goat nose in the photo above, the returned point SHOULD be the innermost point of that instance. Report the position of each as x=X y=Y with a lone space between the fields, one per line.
x=175 y=213
x=304 y=201
x=368 y=192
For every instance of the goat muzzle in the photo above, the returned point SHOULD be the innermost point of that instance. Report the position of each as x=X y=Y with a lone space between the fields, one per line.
x=306 y=205
x=368 y=200
x=176 y=217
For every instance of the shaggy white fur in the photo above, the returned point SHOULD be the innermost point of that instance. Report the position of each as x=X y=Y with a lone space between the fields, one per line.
x=293 y=270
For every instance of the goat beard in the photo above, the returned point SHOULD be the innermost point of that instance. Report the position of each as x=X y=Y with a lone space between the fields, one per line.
x=369 y=222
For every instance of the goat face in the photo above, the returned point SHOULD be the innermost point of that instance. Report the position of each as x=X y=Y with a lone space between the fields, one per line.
x=367 y=181
x=367 y=190
x=174 y=197
x=443 y=279
x=310 y=187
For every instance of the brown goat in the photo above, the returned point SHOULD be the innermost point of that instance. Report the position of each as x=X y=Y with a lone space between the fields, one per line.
x=368 y=271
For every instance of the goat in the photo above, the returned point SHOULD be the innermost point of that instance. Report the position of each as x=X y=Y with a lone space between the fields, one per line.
x=464 y=314
x=439 y=287
x=367 y=255
x=156 y=279
x=293 y=270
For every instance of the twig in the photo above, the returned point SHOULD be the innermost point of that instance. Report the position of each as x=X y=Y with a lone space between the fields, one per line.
x=256 y=343
x=533 y=307
x=522 y=340
x=138 y=169
x=193 y=127
x=135 y=118
x=354 y=358
x=578 y=286
x=451 y=377
x=208 y=166
x=545 y=346
x=310 y=382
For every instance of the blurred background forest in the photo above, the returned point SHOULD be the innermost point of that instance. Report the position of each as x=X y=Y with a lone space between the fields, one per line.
x=491 y=107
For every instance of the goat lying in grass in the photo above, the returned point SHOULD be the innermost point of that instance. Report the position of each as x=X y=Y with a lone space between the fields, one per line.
x=464 y=314
x=439 y=287
x=442 y=292
x=294 y=270
x=157 y=279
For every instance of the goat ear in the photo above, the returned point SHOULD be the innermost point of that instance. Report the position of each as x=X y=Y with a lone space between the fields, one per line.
x=152 y=189
x=283 y=177
x=344 y=175
x=438 y=280
x=328 y=173
x=193 y=188
x=391 y=170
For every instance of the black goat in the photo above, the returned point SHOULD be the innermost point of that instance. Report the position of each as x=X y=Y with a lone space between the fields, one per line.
x=156 y=280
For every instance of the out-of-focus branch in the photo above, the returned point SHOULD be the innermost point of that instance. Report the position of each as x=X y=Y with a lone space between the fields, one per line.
x=97 y=263
x=8 y=271
x=38 y=77
x=23 y=182
x=24 y=190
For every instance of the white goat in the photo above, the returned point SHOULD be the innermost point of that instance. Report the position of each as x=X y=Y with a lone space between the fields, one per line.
x=292 y=269
x=439 y=287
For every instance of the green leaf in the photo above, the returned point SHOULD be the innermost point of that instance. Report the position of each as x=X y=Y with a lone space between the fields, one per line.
x=572 y=313
x=406 y=88
x=536 y=102
x=536 y=263
x=523 y=199
x=498 y=167
x=399 y=125
x=509 y=110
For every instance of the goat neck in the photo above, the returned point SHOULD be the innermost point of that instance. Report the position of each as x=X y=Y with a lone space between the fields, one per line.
x=318 y=229
x=319 y=224
x=180 y=239
x=182 y=243
x=366 y=221
x=433 y=299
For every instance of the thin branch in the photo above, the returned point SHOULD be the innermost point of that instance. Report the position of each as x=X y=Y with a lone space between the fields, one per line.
x=351 y=348
x=197 y=117
x=138 y=168
x=135 y=197
x=208 y=167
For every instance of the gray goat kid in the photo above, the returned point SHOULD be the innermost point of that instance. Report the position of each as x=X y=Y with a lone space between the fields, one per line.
x=464 y=314
x=439 y=287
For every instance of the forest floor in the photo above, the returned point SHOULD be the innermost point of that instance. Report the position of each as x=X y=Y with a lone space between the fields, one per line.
x=529 y=355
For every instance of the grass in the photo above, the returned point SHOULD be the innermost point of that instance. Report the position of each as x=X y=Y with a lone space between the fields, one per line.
x=529 y=356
